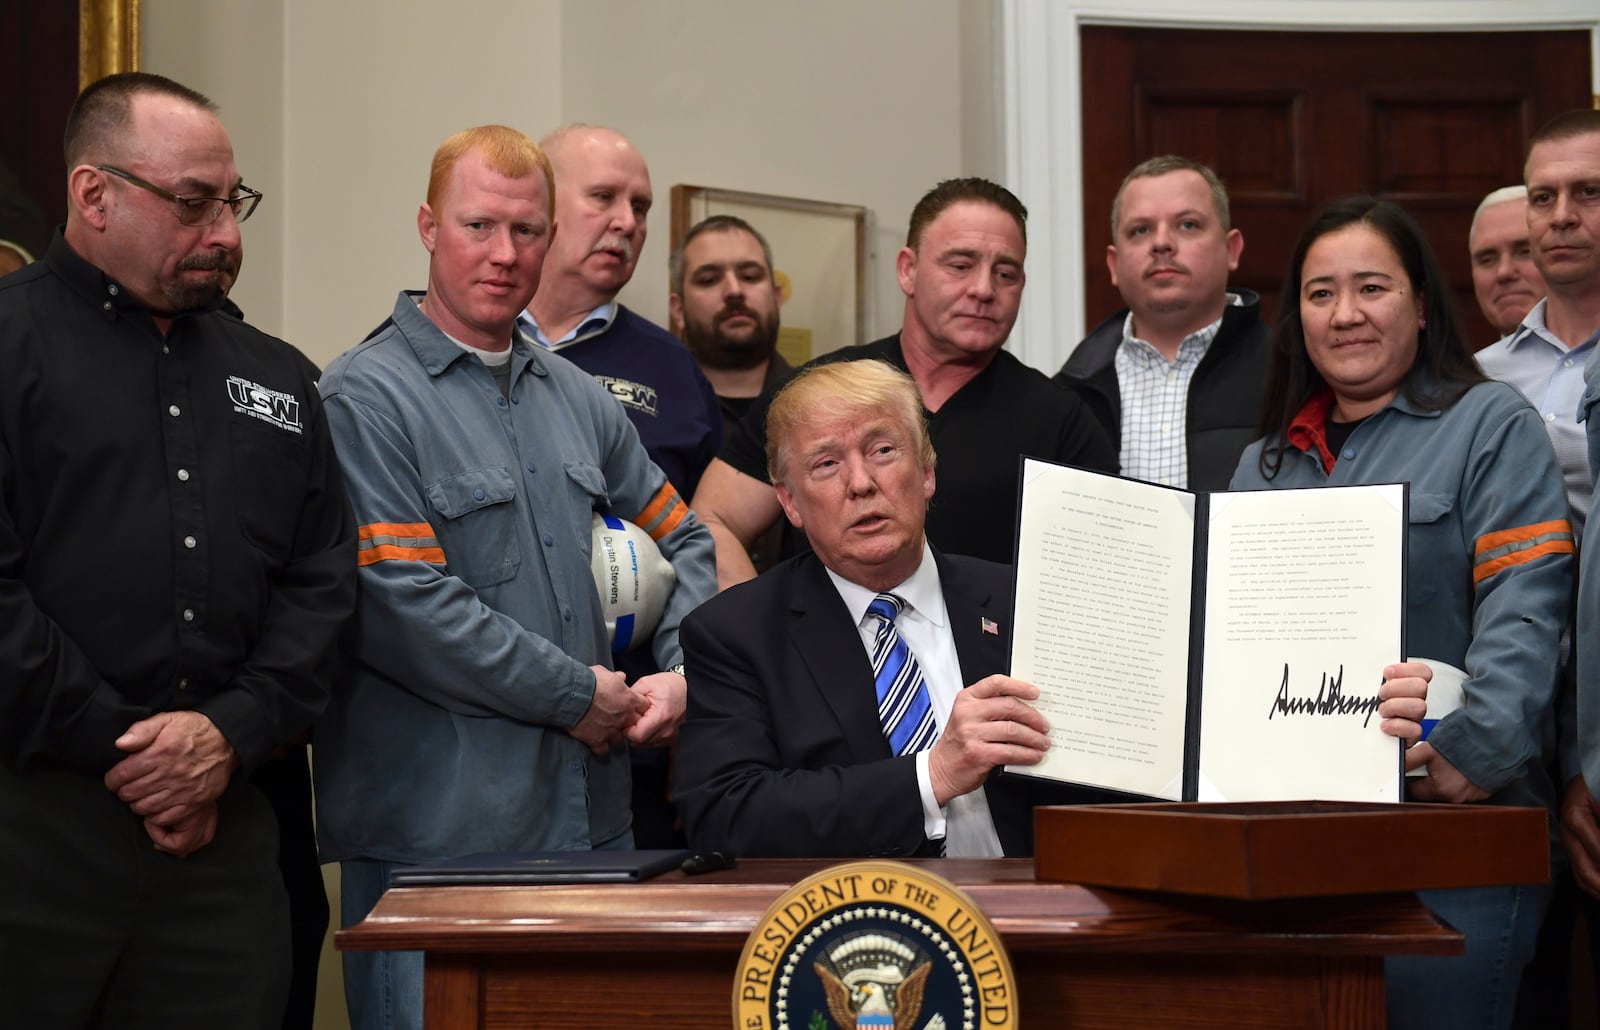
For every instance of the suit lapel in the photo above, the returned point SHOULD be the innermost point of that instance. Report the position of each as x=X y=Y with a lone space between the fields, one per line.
x=969 y=603
x=830 y=645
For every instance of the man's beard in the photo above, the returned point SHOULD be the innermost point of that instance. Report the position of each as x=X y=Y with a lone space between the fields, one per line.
x=716 y=349
x=187 y=294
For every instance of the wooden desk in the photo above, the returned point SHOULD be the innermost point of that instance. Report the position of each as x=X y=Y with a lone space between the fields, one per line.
x=663 y=953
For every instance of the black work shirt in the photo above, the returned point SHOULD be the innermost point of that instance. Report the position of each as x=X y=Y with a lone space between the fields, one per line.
x=1005 y=412
x=174 y=533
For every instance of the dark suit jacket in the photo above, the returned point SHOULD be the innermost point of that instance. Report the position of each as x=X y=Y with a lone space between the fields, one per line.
x=782 y=753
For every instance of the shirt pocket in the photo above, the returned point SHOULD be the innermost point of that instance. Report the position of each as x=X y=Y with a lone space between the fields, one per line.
x=269 y=485
x=587 y=492
x=479 y=524
x=1434 y=544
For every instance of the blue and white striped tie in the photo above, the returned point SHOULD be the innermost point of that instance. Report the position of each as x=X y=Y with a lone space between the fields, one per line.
x=903 y=706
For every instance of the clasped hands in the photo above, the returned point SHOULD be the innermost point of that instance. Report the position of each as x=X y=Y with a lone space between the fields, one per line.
x=647 y=714
x=177 y=767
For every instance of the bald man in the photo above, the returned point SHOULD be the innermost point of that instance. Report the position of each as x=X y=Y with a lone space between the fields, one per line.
x=1505 y=278
x=602 y=202
x=603 y=197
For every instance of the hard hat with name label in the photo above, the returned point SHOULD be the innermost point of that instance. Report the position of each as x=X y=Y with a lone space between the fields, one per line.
x=633 y=578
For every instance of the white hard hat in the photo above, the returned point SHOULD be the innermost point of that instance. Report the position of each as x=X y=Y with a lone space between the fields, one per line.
x=633 y=578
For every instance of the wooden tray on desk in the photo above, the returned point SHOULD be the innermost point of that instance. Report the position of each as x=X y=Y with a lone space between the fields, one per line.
x=1264 y=850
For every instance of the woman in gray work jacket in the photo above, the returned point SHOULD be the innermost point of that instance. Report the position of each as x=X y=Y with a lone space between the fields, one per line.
x=1370 y=382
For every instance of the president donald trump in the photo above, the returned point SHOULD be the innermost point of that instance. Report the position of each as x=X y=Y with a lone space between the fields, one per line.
x=828 y=712
x=852 y=701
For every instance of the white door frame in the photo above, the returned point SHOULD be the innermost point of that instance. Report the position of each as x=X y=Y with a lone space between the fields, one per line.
x=1041 y=98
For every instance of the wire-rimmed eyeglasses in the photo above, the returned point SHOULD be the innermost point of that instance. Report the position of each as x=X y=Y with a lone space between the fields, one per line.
x=197 y=210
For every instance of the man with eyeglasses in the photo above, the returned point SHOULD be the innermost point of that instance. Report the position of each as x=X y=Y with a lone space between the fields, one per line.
x=177 y=562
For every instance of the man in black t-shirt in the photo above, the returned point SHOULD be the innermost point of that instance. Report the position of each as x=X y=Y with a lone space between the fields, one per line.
x=961 y=271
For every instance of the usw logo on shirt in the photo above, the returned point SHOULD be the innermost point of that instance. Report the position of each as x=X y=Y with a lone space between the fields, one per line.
x=270 y=406
x=631 y=394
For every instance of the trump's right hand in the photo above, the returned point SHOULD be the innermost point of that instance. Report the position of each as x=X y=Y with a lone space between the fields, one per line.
x=991 y=724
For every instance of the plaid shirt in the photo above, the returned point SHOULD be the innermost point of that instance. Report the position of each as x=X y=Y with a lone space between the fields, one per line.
x=1155 y=401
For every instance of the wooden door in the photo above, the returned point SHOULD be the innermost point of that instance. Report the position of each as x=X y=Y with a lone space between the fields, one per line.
x=39 y=73
x=1290 y=120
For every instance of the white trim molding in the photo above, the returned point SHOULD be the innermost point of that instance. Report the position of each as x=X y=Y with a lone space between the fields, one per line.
x=1041 y=100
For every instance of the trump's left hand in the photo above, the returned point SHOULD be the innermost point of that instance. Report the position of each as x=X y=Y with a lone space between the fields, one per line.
x=1403 y=699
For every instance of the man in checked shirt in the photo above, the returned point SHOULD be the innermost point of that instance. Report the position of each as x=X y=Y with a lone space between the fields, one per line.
x=1175 y=377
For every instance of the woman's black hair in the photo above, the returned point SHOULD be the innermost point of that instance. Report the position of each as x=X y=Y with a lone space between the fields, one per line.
x=1292 y=379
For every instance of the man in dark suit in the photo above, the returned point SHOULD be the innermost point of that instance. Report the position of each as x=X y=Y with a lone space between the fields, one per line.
x=852 y=701
x=783 y=751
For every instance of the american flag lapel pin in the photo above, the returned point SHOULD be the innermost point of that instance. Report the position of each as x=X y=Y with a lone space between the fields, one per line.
x=991 y=627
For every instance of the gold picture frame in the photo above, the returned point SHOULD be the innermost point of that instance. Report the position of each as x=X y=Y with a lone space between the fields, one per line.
x=108 y=38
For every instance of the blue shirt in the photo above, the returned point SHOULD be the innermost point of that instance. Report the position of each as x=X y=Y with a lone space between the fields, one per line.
x=1534 y=361
x=593 y=324
x=479 y=618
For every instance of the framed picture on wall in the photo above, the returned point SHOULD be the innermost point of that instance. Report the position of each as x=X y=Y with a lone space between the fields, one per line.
x=820 y=253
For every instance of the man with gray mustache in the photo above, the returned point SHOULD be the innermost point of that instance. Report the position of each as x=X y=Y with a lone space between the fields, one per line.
x=602 y=199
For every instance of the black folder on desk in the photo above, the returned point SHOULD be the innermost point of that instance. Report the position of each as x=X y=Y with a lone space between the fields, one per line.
x=521 y=868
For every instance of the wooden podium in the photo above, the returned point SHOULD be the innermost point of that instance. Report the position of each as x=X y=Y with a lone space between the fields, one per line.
x=663 y=953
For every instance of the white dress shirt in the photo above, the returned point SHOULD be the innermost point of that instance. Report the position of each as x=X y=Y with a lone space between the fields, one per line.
x=924 y=625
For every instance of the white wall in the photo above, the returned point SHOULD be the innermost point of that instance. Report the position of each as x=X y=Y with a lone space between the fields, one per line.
x=335 y=109
x=372 y=88
x=836 y=100
x=234 y=52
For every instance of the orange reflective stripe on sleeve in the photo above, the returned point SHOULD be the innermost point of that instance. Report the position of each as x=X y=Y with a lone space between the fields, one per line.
x=1505 y=548
x=398 y=541
x=665 y=512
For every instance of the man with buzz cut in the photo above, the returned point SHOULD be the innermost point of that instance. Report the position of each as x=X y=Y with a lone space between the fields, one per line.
x=603 y=198
x=177 y=566
x=602 y=202
x=1175 y=377
x=1511 y=290
x=1542 y=356
x=482 y=712
x=1562 y=174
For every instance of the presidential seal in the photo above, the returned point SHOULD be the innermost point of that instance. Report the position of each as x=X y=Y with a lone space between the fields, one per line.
x=880 y=945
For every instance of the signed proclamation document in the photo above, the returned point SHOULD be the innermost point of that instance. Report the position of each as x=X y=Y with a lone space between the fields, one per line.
x=1211 y=647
